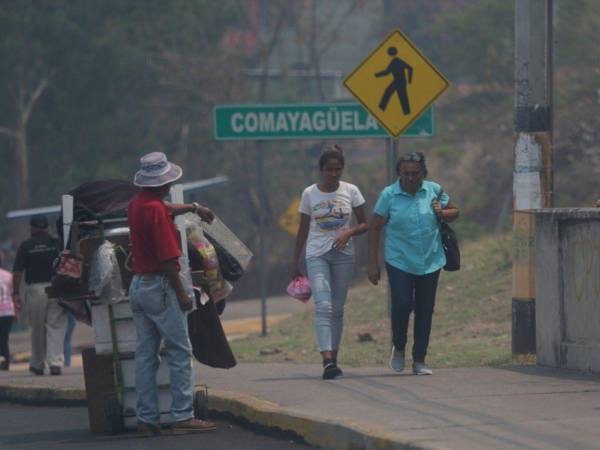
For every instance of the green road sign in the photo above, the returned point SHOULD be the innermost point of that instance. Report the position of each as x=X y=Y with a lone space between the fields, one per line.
x=306 y=121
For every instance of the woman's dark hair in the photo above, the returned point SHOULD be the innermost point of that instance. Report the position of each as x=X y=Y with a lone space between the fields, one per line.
x=331 y=152
x=417 y=157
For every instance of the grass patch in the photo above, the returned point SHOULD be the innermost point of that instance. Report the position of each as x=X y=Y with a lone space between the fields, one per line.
x=471 y=324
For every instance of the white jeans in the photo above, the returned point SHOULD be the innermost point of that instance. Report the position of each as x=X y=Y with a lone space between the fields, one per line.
x=330 y=275
x=48 y=322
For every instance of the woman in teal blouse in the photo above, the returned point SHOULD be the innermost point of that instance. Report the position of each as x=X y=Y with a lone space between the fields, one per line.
x=410 y=209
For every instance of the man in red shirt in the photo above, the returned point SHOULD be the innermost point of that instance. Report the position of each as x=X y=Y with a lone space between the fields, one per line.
x=158 y=299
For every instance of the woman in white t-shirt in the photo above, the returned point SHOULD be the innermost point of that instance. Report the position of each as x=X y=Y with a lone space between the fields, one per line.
x=325 y=214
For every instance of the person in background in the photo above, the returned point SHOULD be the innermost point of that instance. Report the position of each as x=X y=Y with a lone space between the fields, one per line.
x=71 y=321
x=47 y=319
x=7 y=315
x=409 y=210
x=159 y=301
x=325 y=214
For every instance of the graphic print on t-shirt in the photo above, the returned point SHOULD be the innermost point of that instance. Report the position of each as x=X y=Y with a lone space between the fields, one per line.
x=331 y=214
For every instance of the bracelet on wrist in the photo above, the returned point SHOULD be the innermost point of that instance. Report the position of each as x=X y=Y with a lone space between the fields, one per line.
x=196 y=207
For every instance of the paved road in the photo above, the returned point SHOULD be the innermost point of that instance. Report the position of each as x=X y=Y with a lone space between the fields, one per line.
x=51 y=428
x=240 y=318
x=276 y=305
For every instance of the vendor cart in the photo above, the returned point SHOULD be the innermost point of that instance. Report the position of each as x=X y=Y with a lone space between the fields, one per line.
x=115 y=340
x=101 y=240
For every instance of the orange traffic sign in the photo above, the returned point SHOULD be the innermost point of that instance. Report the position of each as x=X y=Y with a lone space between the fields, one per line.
x=396 y=83
x=290 y=219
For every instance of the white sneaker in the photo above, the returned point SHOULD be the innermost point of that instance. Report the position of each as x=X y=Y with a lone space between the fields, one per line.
x=421 y=369
x=396 y=361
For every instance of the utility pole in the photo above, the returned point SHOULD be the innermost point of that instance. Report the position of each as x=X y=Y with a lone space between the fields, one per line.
x=262 y=220
x=532 y=182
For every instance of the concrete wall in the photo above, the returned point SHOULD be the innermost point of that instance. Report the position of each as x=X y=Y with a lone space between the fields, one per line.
x=567 y=245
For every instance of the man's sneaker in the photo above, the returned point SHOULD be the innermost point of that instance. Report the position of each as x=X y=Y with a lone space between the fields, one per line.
x=420 y=368
x=55 y=370
x=35 y=371
x=148 y=429
x=397 y=360
x=331 y=371
x=192 y=426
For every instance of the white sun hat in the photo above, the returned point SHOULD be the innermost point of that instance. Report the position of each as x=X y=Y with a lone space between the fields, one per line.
x=156 y=171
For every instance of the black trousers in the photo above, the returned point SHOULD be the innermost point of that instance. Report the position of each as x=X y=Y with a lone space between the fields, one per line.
x=412 y=293
x=5 y=325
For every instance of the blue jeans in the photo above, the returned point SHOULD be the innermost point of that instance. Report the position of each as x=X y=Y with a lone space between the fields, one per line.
x=330 y=276
x=412 y=292
x=157 y=317
x=68 y=348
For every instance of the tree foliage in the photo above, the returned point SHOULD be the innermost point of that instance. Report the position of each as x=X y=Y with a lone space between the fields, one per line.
x=123 y=78
x=478 y=42
x=113 y=79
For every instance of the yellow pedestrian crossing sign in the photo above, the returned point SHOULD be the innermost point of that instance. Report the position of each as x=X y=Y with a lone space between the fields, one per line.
x=396 y=83
x=290 y=219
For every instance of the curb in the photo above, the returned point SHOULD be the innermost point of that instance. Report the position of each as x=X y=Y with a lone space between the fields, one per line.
x=42 y=396
x=319 y=431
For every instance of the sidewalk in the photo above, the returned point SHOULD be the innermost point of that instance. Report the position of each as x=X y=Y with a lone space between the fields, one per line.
x=524 y=407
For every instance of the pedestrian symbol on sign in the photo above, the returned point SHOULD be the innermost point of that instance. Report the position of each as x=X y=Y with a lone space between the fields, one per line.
x=401 y=71
x=396 y=83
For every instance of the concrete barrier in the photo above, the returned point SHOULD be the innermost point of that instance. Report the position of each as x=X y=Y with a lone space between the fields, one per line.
x=567 y=245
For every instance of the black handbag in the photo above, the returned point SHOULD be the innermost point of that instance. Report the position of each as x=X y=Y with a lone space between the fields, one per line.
x=209 y=343
x=450 y=244
x=230 y=267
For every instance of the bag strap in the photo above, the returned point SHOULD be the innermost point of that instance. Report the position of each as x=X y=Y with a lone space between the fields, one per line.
x=439 y=195
x=438 y=198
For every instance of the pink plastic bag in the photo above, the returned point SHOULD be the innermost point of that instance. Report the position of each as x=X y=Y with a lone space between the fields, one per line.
x=299 y=288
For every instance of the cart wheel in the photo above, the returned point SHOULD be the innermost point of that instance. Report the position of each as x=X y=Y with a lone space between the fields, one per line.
x=201 y=404
x=113 y=415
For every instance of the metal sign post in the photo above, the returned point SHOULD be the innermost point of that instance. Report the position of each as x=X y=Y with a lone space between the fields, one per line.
x=389 y=165
x=263 y=261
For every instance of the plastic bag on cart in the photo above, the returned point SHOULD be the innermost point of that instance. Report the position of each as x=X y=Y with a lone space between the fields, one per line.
x=219 y=232
x=186 y=277
x=204 y=261
x=222 y=292
x=230 y=268
x=105 y=276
